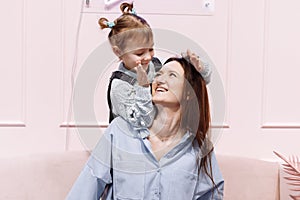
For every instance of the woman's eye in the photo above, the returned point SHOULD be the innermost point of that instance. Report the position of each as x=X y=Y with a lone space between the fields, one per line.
x=157 y=74
x=173 y=74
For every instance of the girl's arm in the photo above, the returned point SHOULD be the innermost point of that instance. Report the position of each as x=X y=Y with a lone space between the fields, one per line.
x=206 y=71
x=132 y=103
x=202 y=66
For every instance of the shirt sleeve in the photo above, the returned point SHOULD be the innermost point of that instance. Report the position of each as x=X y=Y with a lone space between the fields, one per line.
x=205 y=189
x=95 y=175
x=132 y=103
x=206 y=71
x=87 y=186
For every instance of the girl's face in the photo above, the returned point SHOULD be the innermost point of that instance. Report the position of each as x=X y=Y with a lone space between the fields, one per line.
x=137 y=53
x=168 y=85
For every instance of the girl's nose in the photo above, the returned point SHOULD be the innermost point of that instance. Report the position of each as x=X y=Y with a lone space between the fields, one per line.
x=147 y=56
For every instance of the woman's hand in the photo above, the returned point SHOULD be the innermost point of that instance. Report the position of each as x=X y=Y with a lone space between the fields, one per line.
x=142 y=78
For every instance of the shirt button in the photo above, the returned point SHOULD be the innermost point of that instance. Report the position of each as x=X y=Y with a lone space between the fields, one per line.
x=158 y=170
x=157 y=193
x=143 y=123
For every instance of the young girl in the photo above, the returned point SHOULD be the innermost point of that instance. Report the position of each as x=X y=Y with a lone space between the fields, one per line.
x=131 y=39
x=172 y=160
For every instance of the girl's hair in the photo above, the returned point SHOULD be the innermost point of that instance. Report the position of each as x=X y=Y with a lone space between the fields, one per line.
x=127 y=27
x=196 y=113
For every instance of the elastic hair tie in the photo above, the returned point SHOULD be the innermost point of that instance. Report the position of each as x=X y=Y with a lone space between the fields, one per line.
x=110 y=24
x=132 y=11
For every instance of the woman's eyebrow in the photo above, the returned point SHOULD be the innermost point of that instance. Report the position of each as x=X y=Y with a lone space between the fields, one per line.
x=172 y=71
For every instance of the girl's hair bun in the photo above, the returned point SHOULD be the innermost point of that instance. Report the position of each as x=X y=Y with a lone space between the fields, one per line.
x=103 y=23
x=126 y=8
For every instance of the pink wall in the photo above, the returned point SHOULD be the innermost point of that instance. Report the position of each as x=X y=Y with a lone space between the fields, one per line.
x=252 y=43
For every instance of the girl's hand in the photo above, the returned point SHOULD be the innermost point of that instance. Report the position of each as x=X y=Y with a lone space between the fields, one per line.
x=142 y=78
x=195 y=60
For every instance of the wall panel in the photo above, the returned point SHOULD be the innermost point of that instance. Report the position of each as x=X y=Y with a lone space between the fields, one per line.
x=12 y=65
x=281 y=74
x=30 y=78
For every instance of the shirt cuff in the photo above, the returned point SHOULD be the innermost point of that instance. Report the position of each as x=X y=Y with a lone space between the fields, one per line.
x=143 y=93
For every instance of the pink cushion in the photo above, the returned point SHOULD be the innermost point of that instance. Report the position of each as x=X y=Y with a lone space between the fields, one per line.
x=37 y=177
x=249 y=179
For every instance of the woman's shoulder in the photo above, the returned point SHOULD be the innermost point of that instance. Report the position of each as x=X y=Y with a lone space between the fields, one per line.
x=119 y=124
x=118 y=121
x=115 y=131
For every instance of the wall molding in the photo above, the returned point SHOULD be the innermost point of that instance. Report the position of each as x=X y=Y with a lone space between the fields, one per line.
x=12 y=124
x=192 y=8
x=265 y=62
x=272 y=125
x=17 y=102
x=265 y=123
x=24 y=66
x=228 y=63
x=85 y=125
x=105 y=125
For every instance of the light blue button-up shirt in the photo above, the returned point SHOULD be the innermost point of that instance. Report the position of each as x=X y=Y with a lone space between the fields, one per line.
x=137 y=174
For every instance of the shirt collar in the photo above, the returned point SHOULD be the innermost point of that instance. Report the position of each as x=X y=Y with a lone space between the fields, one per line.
x=132 y=73
x=126 y=71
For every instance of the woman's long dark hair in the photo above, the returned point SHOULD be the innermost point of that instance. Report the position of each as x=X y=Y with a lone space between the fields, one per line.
x=196 y=113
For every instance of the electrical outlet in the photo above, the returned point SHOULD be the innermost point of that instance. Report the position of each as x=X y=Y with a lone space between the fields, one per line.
x=208 y=6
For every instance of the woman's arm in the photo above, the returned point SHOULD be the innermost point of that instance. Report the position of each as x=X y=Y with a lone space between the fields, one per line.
x=205 y=188
x=214 y=193
x=87 y=186
x=96 y=174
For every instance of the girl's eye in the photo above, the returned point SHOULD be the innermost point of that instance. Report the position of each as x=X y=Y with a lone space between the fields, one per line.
x=139 y=54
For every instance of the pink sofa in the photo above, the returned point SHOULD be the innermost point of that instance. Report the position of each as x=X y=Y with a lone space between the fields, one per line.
x=50 y=176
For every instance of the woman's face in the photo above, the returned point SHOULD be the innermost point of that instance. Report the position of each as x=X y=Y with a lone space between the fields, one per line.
x=168 y=85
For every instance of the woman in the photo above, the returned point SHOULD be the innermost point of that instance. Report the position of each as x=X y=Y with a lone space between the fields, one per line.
x=173 y=159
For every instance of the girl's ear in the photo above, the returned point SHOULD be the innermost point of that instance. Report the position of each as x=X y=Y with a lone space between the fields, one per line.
x=117 y=51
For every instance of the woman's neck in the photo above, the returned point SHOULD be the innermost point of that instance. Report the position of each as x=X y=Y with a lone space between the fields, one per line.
x=166 y=131
x=167 y=123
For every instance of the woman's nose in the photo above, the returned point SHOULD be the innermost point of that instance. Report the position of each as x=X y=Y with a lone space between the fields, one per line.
x=160 y=79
